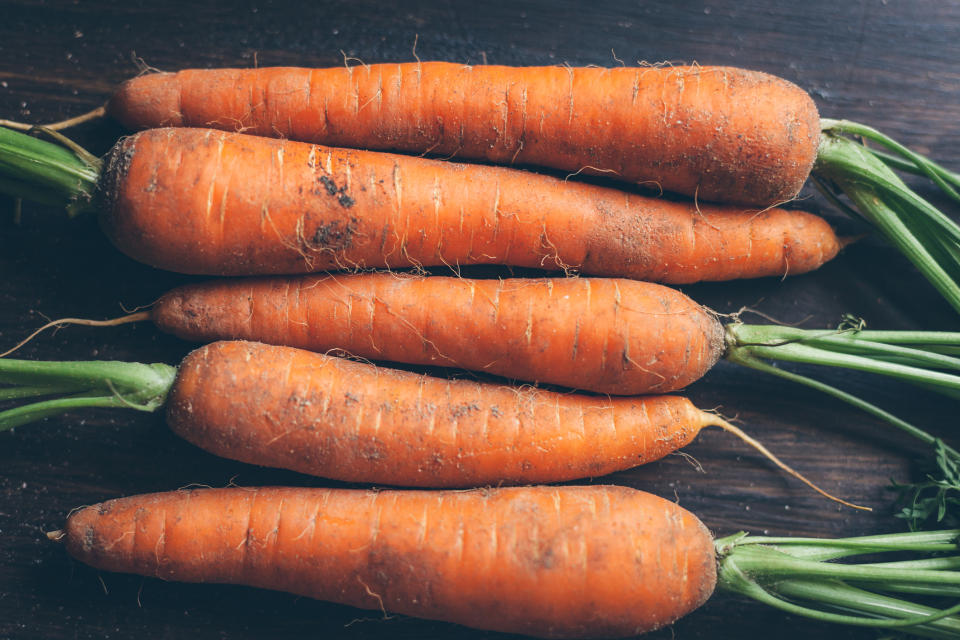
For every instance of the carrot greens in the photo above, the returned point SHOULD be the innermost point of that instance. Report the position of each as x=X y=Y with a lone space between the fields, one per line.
x=927 y=237
x=801 y=577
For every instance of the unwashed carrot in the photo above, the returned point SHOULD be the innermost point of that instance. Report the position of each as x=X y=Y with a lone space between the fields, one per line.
x=209 y=202
x=719 y=133
x=554 y=562
x=562 y=562
x=606 y=335
x=317 y=414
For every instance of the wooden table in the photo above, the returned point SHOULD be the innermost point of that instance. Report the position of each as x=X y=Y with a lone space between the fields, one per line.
x=889 y=64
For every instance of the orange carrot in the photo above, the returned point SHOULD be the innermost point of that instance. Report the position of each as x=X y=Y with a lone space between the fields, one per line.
x=284 y=407
x=555 y=562
x=204 y=201
x=605 y=335
x=720 y=133
x=200 y=201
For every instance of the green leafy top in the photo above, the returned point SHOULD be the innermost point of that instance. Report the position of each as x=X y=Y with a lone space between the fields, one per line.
x=935 y=501
x=926 y=359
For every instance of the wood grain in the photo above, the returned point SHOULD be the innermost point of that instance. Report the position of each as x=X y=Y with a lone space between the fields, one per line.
x=891 y=65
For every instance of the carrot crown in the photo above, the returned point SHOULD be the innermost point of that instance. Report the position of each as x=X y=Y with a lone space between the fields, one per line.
x=47 y=173
x=72 y=385
x=928 y=238
x=799 y=575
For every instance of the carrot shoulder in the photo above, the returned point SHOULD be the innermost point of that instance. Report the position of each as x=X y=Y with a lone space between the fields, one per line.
x=558 y=562
x=209 y=202
x=721 y=133
x=606 y=335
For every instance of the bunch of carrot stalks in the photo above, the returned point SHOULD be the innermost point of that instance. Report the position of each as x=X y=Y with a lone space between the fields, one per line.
x=620 y=562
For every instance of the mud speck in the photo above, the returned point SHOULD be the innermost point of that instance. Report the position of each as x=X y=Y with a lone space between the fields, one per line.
x=329 y=184
x=336 y=234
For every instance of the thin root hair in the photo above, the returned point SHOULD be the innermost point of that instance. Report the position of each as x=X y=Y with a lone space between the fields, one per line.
x=93 y=114
x=717 y=421
x=133 y=317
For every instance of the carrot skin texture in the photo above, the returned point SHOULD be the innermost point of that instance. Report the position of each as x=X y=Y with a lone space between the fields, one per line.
x=208 y=202
x=555 y=562
x=721 y=133
x=605 y=335
x=332 y=417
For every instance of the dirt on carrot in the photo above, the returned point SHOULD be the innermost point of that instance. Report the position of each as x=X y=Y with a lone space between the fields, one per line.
x=208 y=202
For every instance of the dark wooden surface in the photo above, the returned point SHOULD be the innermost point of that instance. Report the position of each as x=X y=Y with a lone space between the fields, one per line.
x=889 y=64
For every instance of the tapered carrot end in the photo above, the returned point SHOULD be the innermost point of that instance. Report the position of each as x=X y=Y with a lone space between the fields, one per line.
x=712 y=420
x=133 y=317
x=848 y=240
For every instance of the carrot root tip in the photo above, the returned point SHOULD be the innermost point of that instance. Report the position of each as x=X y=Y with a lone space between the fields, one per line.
x=713 y=420
x=133 y=317
x=93 y=114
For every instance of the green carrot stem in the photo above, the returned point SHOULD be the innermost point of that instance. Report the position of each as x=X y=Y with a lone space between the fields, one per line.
x=747 y=360
x=774 y=563
x=38 y=410
x=853 y=600
x=922 y=233
x=18 y=393
x=945 y=591
x=799 y=575
x=913 y=162
x=30 y=166
x=769 y=334
x=907 y=356
x=81 y=384
x=796 y=352
x=901 y=164
x=121 y=374
x=824 y=593
x=833 y=548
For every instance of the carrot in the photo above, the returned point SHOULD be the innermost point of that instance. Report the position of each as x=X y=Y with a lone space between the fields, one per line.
x=208 y=202
x=605 y=335
x=327 y=416
x=553 y=562
x=719 y=133
x=542 y=561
